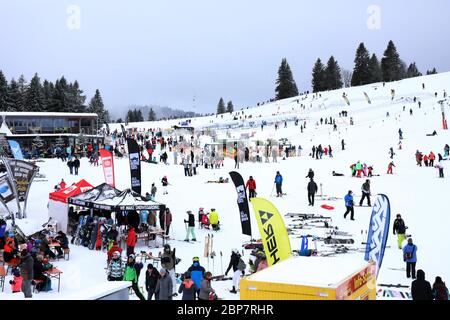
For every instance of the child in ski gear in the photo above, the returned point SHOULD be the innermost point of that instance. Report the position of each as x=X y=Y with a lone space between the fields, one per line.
x=164 y=287
x=278 y=184
x=420 y=288
x=440 y=291
x=115 y=247
x=115 y=267
x=16 y=282
x=238 y=267
x=251 y=186
x=151 y=280
x=205 y=287
x=214 y=219
x=197 y=271
x=201 y=213
x=191 y=226
x=188 y=288
x=410 y=257
x=130 y=274
x=312 y=190
x=168 y=261
x=365 y=189
x=349 y=205
x=400 y=230
x=131 y=240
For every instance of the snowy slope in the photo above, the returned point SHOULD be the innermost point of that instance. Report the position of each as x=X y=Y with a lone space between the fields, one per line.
x=415 y=192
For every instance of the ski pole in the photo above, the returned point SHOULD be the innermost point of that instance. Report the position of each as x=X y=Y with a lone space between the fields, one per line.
x=273 y=187
x=221 y=264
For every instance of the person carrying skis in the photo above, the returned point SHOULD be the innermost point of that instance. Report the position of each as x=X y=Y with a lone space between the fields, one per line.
x=214 y=219
x=420 y=288
x=197 y=271
x=390 y=166
x=349 y=205
x=164 y=184
x=278 y=183
x=310 y=174
x=115 y=267
x=439 y=291
x=190 y=227
x=188 y=288
x=410 y=257
x=205 y=287
x=365 y=189
x=400 y=230
x=238 y=266
x=251 y=186
x=151 y=280
x=168 y=260
x=131 y=240
x=312 y=190
x=164 y=287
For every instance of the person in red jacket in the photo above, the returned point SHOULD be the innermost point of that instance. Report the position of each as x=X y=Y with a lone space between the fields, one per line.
x=425 y=160
x=390 y=166
x=115 y=247
x=62 y=184
x=131 y=240
x=431 y=158
x=251 y=186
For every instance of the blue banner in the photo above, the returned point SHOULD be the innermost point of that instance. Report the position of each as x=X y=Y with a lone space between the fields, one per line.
x=15 y=149
x=378 y=231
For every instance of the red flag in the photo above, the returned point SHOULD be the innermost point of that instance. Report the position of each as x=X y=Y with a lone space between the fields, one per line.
x=108 y=166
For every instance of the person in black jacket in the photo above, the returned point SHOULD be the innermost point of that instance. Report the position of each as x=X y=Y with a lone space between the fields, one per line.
x=112 y=234
x=310 y=174
x=61 y=238
x=151 y=280
x=76 y=165
x=420 y=288
x=365 y=189
x=312 y=190
x=234 y=263
x=191 y=226
x=400 y=230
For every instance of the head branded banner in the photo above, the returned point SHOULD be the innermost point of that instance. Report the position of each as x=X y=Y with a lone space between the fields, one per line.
x=108 y=166
x=23 y=173
x=15 y=149
x=378 y=231
x=242 y=203
x=134 y=156
x=6 y=190
x=277 y=245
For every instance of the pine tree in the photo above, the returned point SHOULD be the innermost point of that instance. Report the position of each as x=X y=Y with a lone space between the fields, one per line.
x=77 y=99
x=413 y=71
x=391 y=65
x=4 y=94
x=96 y=106
x=286 y=86
x=151 y=115
x=318 y=76
x=432 y=71
x=61 y=102
x=333 y=78
x=375 y=74
x=361 y=74
x=48 y=91
x=230 y=107
x=15 y=98
x=221 y=106
x=139 y=117
x=34 y=96
x=130 y=116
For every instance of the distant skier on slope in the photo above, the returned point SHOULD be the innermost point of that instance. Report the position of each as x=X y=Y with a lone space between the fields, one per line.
x=278 y=183
x=365 y=189
x=390 y=166
x=312 y=190
x=349 y=205
x=400 y=230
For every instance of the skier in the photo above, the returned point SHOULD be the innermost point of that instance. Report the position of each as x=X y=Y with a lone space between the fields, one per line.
x=164 y=287
x=390 y=166
x=188 y=288
x=420 y=288
x=191 y=226
x=151 y=280
x=400 y=230
x=168 y=260
x=312 y=190
x=197 y=271
x=164 y=184
x=410 y=257
x=310 y=174
x=131 y=274
x=251 y=186
x=400 y=134
x=278 y=184
x=365 y=189
x=343 y=144
x=115 y=267
x=205 y=287
x=131 y=240
x=349 y=205
x=391 y=152
x=440 y=291
x=238 y=266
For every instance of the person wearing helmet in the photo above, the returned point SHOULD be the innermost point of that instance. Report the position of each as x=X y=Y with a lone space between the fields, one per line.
x=115 y=247
x=115 y=267
x=191 y=226
x=349 y=205
x=201 y=212
x=130 y=274
x=197 y=271
x=188 y=288
x=279 y=183
x=214 y=219
x=168 y=260
x=238 y=266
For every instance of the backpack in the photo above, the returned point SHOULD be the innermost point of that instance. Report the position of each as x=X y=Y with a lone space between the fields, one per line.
x=241 y=265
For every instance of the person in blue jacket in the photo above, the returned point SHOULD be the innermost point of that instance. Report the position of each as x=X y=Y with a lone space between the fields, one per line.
x=197 y=271
x=410 y=257
x=349 y=204
x=278 y=183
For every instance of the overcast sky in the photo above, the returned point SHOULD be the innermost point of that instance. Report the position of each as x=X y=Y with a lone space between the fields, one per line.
x=167 y=52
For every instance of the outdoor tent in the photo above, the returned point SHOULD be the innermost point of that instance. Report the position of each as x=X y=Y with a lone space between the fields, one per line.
x=58 y=206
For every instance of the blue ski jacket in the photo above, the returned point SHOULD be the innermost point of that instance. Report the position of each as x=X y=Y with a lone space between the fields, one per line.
x=197 y=272
x=278 y=179
x=348 y=200
x=410 y=248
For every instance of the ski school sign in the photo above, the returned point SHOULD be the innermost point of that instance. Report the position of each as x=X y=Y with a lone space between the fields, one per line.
x=378 y=231
x=273 y=231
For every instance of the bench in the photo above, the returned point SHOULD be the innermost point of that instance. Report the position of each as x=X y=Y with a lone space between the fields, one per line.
x=35 y=283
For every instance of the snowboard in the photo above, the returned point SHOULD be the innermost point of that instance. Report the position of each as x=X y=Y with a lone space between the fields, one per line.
x=306 y=216
x=93 y=235
x=253 y=246
x=338 y=241
x=327 y=207
x=392 y=285
x=221 y=278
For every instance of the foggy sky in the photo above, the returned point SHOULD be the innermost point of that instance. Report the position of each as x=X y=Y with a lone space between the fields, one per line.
x=167 y=52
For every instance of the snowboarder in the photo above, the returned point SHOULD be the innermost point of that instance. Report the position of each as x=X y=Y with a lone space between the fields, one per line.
x=312 y=190
x=390 y=166
x=131 y=274
x=278 y=184
x=191 y=226
x=238 y=266
x=400 y=230
x=400 y=134
x=420 y=288
x=410 y=257
x=151 y=280
x=440 y=291
x=188 y=288
x=349 y=205
x=365 y=189
x=164 y=287
x=251 y=186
